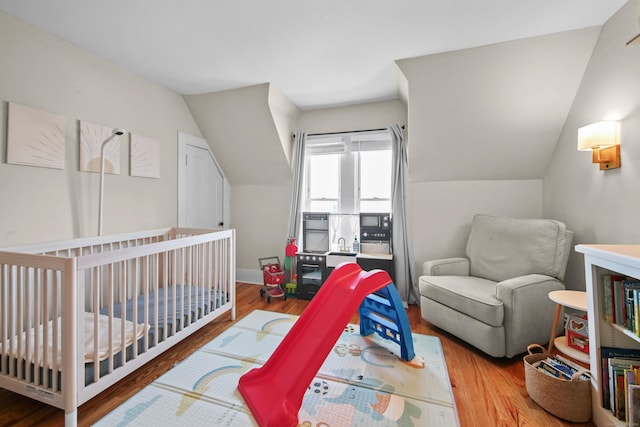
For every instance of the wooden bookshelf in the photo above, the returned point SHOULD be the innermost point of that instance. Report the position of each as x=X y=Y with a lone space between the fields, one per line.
x=600 y=260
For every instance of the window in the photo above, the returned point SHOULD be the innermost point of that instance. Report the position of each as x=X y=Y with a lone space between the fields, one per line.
x=323 y=178
x=375 y=181
x=348 y=173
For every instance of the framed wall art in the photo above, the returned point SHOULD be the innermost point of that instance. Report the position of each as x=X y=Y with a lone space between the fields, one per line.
x=91 y=138
x=145 y=157
x=35 y=137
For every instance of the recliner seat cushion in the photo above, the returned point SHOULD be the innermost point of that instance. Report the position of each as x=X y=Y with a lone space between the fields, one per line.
x=500 y=248
x=472 y=296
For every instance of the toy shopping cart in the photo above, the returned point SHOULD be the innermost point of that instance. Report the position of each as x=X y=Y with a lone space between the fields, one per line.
x=273 y=276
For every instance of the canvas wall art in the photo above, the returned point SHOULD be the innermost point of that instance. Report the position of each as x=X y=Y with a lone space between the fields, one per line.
x=145 y=156
x=91 y=138
x=35 y=137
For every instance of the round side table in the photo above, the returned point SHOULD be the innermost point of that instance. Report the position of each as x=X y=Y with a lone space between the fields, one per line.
x=576 y=300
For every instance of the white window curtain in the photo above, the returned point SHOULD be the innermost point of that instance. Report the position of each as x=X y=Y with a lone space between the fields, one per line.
x=403 y=259
x=297 y=167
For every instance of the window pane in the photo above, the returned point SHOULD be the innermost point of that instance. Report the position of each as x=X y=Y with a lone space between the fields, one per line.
x=348 y=173
x=375 y=174
x=375 y=206
x=323 y=206
x=324 y=176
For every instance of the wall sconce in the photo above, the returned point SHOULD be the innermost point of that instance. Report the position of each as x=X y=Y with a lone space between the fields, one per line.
x=603 y=139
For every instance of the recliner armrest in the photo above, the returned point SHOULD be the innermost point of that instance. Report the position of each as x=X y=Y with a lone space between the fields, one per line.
x=533 y=288
x=511 y=285
x=446 y=267
x=528 y=311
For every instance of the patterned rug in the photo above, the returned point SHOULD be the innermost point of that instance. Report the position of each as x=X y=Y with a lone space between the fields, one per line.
x=361 y=383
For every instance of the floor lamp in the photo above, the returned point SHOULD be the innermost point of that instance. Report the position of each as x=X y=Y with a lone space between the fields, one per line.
x=114 y=133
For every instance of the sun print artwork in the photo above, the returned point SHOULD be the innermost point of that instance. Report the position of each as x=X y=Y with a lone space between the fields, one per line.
x=91 y=138
x=35 y=137
x=145 y=157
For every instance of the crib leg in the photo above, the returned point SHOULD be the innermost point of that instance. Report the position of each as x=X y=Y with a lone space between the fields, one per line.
x=71 y=418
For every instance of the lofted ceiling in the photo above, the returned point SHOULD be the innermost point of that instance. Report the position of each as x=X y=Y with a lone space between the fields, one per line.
x=494 y=112
x=317 y=53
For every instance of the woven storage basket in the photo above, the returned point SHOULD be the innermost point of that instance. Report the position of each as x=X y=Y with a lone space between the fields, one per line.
x=569 y=400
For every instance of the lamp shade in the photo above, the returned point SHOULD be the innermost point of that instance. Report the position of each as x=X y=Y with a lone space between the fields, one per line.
x=598 y=135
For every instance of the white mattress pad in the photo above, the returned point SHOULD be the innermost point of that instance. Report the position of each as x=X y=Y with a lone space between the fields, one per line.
x=87 y=324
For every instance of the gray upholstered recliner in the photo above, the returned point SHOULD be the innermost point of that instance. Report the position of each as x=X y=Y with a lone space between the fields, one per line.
x=496 y=298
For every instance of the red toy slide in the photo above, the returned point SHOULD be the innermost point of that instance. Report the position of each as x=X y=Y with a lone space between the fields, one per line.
x=274 y=391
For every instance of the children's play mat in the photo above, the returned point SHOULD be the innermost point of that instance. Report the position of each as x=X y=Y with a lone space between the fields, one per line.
x=362 y=382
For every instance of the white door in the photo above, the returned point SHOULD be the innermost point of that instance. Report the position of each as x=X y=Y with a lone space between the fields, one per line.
x=201 y=186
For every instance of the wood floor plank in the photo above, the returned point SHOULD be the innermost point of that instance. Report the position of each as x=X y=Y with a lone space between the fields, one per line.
x=487 y=391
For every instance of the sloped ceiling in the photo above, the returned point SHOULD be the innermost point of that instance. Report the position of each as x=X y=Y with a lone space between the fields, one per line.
x=493 y=112
x=318 y=53
x=477 y=109
x=240 y=128
x=487 y=113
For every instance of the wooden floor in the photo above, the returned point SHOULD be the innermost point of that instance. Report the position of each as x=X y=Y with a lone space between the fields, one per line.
x=488 y=392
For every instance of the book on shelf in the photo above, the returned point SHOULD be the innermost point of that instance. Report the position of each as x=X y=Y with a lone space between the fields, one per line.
x=633 y=402
x=614 y=303
x=607 y=293
x=622 y=373
x=621 y=301
x=629 y=380
x=620 y=369
x=631 y=290
x=636 y=312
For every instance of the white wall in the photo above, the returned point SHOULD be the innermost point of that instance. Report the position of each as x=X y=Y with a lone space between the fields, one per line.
x=285 y=115
x=374 y=115
x=249 y=130
x=39 y=204
x=481 y=133
x=260 y=215
x=239 y=126
x=260 y=212
x=442 y=211
x=601 y=206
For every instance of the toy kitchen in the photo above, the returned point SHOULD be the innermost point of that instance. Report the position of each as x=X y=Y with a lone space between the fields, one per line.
x=329 y=239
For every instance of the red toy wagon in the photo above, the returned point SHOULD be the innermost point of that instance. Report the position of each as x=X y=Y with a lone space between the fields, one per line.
x=273 y=277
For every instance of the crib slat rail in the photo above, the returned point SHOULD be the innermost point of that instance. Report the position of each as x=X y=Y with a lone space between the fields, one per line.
x=80 y=315
x=34 y=327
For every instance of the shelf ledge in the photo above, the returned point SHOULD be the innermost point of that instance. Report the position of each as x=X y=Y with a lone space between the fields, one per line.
x=560 y=343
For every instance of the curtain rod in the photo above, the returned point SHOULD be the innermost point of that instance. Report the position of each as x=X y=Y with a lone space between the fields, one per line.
x=351 y=131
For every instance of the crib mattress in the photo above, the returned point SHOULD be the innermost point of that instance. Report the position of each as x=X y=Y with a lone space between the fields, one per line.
x=132 y=331
x=186 y=296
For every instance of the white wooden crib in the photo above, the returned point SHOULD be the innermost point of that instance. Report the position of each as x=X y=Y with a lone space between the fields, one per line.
x=77 y=316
